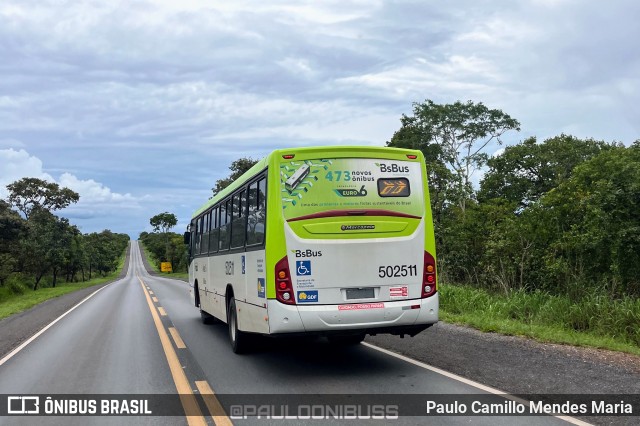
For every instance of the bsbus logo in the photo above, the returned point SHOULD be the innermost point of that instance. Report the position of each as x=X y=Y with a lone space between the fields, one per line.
x=392 y=168
x=307 y=253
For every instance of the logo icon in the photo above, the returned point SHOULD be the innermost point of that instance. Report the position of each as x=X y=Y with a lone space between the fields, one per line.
x=357 y=227
x=23 y=405
x=352 y=192
x=308 y=296
x=303 y=267
x=392 y=168
x=307 y=253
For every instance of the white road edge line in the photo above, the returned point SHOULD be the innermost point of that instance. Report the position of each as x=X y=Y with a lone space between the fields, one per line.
x=35 y=336
x=470 y=382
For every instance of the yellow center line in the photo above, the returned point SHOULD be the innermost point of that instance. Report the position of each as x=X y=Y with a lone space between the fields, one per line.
x=187 y=398
x=155 y=299
x=215 y=408
x=176 y=338
x=150 y=292
x=162 y=311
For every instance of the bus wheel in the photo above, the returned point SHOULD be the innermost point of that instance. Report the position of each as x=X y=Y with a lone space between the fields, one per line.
x=240 y=341
x=352 y=339
x=206 y=318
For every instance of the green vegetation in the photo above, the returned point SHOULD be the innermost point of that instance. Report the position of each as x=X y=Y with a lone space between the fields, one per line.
x=549 y=242
x=237 y=168
x=595 y=321
x=39 y=249
x=155 y=263
x=164 y=246
x=19 y=298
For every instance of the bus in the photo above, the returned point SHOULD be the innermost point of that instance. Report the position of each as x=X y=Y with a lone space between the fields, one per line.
x=329 y=241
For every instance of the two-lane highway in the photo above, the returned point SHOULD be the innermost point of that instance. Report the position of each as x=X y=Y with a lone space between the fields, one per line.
x=141 y=335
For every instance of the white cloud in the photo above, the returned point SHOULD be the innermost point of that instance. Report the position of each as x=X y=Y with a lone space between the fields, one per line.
x=15 y=165
x=157 y=97
x=20 y=164
x=92 y=191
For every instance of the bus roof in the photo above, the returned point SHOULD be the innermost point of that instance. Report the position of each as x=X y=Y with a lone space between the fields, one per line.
x=308 y=153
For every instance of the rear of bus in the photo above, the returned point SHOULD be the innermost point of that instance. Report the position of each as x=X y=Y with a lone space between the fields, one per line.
x=352 y=250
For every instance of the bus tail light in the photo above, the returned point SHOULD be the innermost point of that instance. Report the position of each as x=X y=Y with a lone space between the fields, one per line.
x=284 y=288
x=429 y=276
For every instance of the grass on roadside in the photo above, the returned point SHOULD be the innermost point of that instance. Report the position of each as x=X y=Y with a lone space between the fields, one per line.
x=15 y=303
x=595 y=321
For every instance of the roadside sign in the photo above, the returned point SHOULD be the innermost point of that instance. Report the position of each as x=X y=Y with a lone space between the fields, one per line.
x=166 y=267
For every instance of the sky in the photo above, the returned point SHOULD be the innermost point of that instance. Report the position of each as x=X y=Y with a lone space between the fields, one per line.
x=140 y=106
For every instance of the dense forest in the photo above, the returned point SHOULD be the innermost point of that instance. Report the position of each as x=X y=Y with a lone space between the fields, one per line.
x=40 y=249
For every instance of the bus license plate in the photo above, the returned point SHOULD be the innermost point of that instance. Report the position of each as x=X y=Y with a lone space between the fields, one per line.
x=360 y=293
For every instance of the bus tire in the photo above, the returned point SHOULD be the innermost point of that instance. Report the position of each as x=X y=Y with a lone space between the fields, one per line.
x=349 y=340
x=240 y=341
x=207 y=318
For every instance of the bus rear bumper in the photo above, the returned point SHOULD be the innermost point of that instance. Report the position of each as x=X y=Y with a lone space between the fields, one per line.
x=394 y=317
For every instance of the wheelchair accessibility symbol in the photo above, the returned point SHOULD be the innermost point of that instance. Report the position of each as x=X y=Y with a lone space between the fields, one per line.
x=303 y=267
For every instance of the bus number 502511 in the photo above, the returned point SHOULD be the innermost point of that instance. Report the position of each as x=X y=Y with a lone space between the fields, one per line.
x=397 y=271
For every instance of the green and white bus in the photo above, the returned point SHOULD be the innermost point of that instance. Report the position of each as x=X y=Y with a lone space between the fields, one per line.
x=333 y=241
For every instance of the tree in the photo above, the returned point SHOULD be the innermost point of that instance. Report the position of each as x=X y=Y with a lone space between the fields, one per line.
x=36 y=247
x=441 y=179
x=103 y=250
x=238 y=168
x=461 y=131
x=163 y=222
x=60 y=236
x=175 y=252
x=12 y=229
x=528 y=170
x=596 y=213
x=29 y=193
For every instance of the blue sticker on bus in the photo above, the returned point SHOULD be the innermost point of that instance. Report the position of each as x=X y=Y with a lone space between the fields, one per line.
x=261 y=288
x=243 y=265
x=308 y=296
x=303 y=267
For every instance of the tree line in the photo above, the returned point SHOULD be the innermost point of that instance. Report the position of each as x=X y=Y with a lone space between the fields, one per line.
x=166 y=246
x=39 y=248
x=560 y=216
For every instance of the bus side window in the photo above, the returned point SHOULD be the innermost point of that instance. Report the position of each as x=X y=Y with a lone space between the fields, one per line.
x=198 y=234
x=225 y=225
x=239 y=218
x=256 y=219
x=215 y=231
x=205 y=232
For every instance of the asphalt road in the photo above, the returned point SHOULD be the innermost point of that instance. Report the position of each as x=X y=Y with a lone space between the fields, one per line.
x=141 y=336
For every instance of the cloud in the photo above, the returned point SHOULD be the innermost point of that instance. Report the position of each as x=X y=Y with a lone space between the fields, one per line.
x=124 y=98
x=16 y=165
x=94 y=192
x=95 y=198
